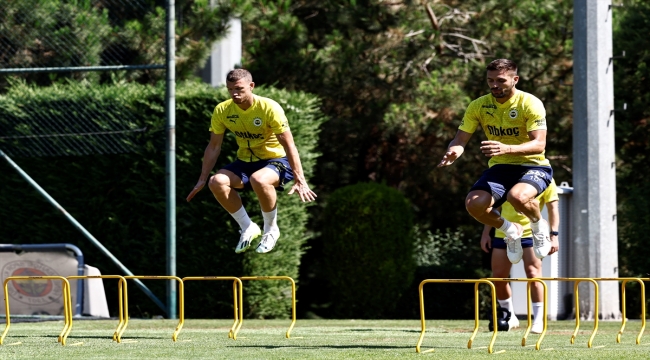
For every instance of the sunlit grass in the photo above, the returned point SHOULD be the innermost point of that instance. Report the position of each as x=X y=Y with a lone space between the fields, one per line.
x=312 y=339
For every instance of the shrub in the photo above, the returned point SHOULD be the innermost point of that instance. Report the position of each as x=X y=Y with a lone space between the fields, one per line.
x=368 y=250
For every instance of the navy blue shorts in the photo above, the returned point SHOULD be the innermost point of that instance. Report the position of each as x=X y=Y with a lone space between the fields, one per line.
x=499 y=243
x=499 y=179
x=245 y=169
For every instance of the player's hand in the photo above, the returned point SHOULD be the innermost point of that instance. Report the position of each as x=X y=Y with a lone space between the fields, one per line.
x=491 y=148
x=555 y=245
x=306 y=194
x=486 y=243
x=197 y=188
x=449 y=158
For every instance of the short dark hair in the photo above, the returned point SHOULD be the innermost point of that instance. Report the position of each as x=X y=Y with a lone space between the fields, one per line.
x=502 y=64
x=238 y=74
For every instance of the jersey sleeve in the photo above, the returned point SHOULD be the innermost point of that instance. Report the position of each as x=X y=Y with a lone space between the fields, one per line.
x=277 y=119
x=471 y=118
x=217 y=124
x=536 y=115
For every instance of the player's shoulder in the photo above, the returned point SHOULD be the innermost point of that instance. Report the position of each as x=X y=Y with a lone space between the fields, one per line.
x=224 y=105
x=482 y=102
x=530 y=99
x=265 y=102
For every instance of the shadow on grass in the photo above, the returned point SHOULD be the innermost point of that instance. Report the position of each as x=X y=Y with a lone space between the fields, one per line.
x=316 y=347
x=384 y=330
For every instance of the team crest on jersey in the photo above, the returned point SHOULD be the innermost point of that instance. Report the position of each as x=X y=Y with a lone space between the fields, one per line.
x=513 y=113
x=257 y=121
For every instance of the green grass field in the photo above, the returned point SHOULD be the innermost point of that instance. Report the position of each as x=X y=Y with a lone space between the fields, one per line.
x=313 y=339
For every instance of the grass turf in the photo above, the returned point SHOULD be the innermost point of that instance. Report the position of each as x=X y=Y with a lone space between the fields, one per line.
x=313 y=339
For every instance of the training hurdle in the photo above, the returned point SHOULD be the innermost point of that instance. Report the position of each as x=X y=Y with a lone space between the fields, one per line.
x=623 y=310
x=476 y=306
x=577 y=282
x=122 y=301
x=239 y=314
x=529 y=281
x=293 y=296
x=181 y=299
x=67 y=304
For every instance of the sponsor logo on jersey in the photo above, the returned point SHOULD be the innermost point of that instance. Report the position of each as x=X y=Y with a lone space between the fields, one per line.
x=499 y=131
x=247 y=135
x=513 y=113
x=490 y=106
x=540 y=122
x=489 y=113
x=257 y=121
x=232 y=118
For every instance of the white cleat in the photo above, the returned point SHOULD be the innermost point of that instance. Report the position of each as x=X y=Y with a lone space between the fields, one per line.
x=514 y=249
x=247 y=236
x=537 y=328
x=513 y=323
x=542 y=240
x=268 y=241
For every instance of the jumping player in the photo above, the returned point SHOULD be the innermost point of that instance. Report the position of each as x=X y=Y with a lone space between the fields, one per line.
x=515 y=124
x=267 y=159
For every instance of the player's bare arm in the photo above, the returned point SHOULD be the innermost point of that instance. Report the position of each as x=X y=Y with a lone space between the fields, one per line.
x=554 y=223
x=300 y=183
x=210 y=156
x=486 y=239
x=456 y=148
x=536 y=145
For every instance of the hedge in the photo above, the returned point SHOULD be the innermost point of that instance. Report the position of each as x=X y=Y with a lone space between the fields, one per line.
x=121 y=198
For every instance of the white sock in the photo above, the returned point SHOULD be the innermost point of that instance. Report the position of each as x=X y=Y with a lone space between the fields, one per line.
x=538 y=312
x=241 y=216
x=534 y=226
x=270 y=219
x=509 y=229
x=507 y=304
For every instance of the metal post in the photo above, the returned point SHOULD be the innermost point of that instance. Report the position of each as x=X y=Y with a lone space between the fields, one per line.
x=171 y=159
x=594 y=242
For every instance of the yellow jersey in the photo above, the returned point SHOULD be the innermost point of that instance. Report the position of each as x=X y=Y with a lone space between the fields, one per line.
x=508 y=123
x=255 y=128
x=509 y=213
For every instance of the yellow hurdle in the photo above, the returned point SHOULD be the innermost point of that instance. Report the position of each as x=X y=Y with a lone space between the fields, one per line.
x=530 y=323
x=623 y=310
x=577 y=281
x=181 y=300
x=239 y=315
x=67 y=304
x=122 y=300
x=293 y=295
x=476 y=312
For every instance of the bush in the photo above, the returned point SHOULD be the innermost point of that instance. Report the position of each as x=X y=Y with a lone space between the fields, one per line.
x=448 y=254
x=121 y=198
x=368 y=250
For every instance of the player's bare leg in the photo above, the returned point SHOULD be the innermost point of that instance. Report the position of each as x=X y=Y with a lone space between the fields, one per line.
x=264 y=182
x=533 y=268
x=223 y=185
x=479 y=204
x=501 y=269
x=523 y=198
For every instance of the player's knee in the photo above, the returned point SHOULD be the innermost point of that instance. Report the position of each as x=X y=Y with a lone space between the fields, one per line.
x=218 y=181
x=519 y=199
x=533 y=271
x=260 y=180
x=476 y=206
